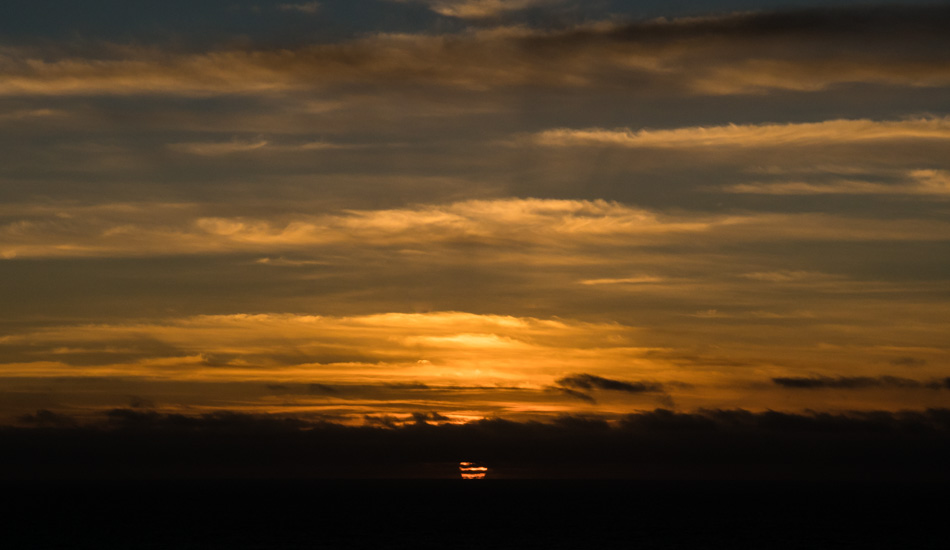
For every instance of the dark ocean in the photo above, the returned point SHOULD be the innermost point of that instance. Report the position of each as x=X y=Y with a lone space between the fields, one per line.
x=486 y=514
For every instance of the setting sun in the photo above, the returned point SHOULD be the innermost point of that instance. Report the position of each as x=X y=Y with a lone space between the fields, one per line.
x=472 y=470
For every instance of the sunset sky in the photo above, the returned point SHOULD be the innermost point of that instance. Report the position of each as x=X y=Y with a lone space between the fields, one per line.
x=392 y=212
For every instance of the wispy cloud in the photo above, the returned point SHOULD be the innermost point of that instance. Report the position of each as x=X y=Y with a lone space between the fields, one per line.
x=925 y=183
x=643 y=279
x=30 y=114
x=476 y=9
x=111 y=229
x=554 y=224
x=750 y=135
x=858 y=382
x=218 y=148
x=309 y=8
x=790 y=276
x=594 y=382
x=222 y=148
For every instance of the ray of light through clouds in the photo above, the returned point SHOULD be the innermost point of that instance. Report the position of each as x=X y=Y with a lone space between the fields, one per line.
x=441 y=211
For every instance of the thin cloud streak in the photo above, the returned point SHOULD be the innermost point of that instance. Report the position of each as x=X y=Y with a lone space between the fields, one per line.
x=644 y=279
x=751 y=135
x=307 y=8
x=479 y=9
x=222 y=148
x=858 y=383
x=922 y=183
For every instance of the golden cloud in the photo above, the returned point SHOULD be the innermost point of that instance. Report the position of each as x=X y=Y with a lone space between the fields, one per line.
x=924 y=183
x=455 y=362
x=750 y=135
x=441 y=347
x=502 y=225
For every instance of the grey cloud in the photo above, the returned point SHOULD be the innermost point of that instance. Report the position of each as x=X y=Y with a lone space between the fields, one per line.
x=590 y=382
x=908 y=361
x=224 y=421
x=136 y=402
x=383 y=421
x=407 y=386
x=666 y=401
x=79 y=354
x=573 y=384
x=323 y=389
x=308 y=8
x=575 y=394
x=940 y=384
x=47 y=419
x=421 y=418
x=852 y=382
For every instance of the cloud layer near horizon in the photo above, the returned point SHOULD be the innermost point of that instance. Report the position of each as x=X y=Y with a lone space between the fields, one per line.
x=875 y=446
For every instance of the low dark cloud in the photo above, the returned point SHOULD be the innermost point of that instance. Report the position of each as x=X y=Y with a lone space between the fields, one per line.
x=592 y=382
x=323 y=389
x=719 y=443
x=122 y=351
x=908 y=362
x=418 y=418
x=426 y=417
x=905 y=20
x=382 y=420
x=222 y=422
x=137 y=402
x=575 y=394
x=46 y=418
x=407 y=386
x=853 y=382
x=577 y=386
x=666 y=401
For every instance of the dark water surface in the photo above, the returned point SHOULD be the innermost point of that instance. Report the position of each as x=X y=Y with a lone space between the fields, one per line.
x=515 y=514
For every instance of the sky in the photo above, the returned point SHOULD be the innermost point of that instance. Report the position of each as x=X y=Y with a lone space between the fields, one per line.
x=389 y=214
